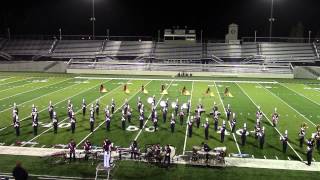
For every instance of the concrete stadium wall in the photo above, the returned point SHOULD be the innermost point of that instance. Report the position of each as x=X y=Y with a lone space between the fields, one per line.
x=302 y=73
x=173 y=73
x=30 y=66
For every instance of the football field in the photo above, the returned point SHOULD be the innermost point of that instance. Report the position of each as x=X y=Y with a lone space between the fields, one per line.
x=297 y=102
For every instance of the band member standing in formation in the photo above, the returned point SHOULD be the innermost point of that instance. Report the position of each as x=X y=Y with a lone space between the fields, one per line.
x=129 y=114
x=84 y=107
x=190 y=124
x=167 y=155
x=35 y=122
x=309 y=155
x=261 y=137
x=139 y=104
x=275 y=118
x=228 y=112
x=73 y=122
x=97 y=107
x=107 y=147
x=164 y=114
x=155 y=120
x=223 y=131
x=284 y=141
x=16 y=125
x=134 y=150
x=188 y=106
x=172 y=123
x=113 y=106
x=206 y=129
x=216 y=121
x=72 y=150
x=123 y=121
x=233 y=123
x=50 y=110
x=176 y=108
x=197 y=118
x=87 y=148
x=206 y=149
x=92 y=119
x=302 y=134
x=108 y=118
x=181 y=116
x=317 y=137
x=244 y=134
x=55 y=122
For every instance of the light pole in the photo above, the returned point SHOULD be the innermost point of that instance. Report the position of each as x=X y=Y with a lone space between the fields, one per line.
x=271 y=19
x=93 y=19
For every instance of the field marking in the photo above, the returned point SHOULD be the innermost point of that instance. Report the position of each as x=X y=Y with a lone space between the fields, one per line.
x=34 y=89
x=224 y=109
x=151 y=114
x=39 y=97
x=5 y=78
x=299 y=93
x=180 y=80
x=290 y=106
x=113 y=113
x=186 y=134
x=269 y=121
x=87 y=89
x=92 y=102
x=16 y=81
x=27 y=83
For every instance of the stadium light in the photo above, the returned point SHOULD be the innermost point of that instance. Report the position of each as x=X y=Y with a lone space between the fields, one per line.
x=93 y=19
x=271 y=19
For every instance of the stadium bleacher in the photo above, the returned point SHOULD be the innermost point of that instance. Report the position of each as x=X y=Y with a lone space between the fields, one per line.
x=128 y=48
x=27 y=47
x=224 y=50
x=173 y=50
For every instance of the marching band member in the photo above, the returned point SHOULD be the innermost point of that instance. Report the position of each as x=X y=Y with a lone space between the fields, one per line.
x=223 y=130
x=206 y=149
x=153 y=112
x=73 y=122
x=259 y=113
x=172 y=123
x=123 y=121
x=113 y=106
x=129 y=114
x=244 y=134
x=97 y=107
x=91 y=120
x=190 y=124
x=261 y=137
x=206 y=129
x=164 y=114
x=275 y=118
x=84 y=107
x=139 y=103
x=33 y=111
x=107 y=147
x=302 y=134
x=35 y=122
x=197 y=118
x=310 y=143
x=257 y=128
x=155 y=121
x=15 y=109
x=141 y=119
x=309 y=155
x=233 y=123
x=228 y=112
x=14 y=113
x=70 y=110
x=134 y=149
x=91 y=108
x=167 y=155
x=72 y=150
x=87 y=148
x=50 y=110
x=181 y=116
x=317 y=138
x=108 y=120
x=215 y=107
x=167 y=103
x=188 y=106
x=125 y=107
x=106 y=110
x=16 y=125
x=154 y=100
x=216 y=120
x=176 y=108
x=284 y=139
x=55 y=122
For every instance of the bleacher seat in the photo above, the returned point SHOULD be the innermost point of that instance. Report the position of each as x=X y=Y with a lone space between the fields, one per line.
x=27 y=47
x=77 y=48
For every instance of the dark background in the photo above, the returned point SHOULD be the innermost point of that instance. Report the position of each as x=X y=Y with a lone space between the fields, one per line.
x=145 y=17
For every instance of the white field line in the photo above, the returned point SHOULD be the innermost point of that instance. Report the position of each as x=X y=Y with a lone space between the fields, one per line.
x=186 y=134
x=179 y=80
x=290 y=106
x=269 y=121
x=40 y=97
x=5 y=78
x=299 y=93
x=87 y=89
x=17 y=86
x=75 y=113
x=150 y=113
x=103 y=122
x=34 y=89
x=224 y=109
x=16 y=81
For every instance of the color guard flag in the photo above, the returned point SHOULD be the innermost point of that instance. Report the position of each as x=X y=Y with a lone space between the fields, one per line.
x=102 y=89
x=227 y=93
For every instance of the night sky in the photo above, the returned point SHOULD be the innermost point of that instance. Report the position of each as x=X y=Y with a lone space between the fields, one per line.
x=145 y=17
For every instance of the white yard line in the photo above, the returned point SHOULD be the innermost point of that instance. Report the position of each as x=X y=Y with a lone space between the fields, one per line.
x=39 y=97
x=269 y=121
x=179 y=80
x=113 y=113
x=17 y=86
x=5 y=78
x=34 y=89
x=75 y=113
x=87 y=89
x=16 y=81
x=290 y=106
x=299 y=94
x=186 y=134
x=150 y=114
x=224 y=109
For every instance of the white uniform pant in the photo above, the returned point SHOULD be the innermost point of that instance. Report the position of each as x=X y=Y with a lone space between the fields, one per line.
x=106 y=159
